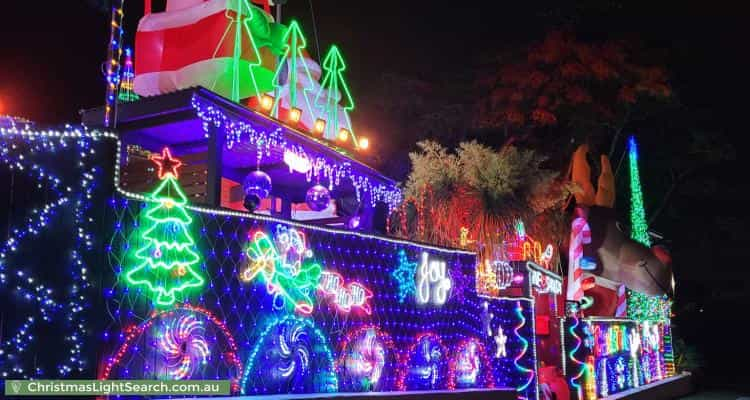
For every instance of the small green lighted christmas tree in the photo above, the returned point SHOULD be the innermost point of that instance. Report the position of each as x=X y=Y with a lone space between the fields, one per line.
x=286 y=73
x=333 y=91
x=166 y=262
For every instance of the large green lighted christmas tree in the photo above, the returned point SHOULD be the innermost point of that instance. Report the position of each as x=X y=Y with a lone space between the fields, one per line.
x=638 y=225
x=166 y=263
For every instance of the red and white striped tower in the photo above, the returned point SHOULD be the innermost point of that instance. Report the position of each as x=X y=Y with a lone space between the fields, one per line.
x=622 y=302
x=580 y=234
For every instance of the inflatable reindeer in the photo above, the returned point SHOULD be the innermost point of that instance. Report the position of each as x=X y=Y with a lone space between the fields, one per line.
x=600 y=249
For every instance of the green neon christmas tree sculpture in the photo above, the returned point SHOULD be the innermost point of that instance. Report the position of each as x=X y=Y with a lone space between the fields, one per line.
x=294 y=44
x=337 y=91
x=241 y=22
x=638 y=225
x=166 y=262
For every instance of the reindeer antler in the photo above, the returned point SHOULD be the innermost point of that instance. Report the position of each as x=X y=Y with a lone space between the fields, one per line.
x=605 y=190
x=581 y=176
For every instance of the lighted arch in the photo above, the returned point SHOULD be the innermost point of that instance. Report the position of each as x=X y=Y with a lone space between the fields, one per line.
x=366 y=355
x=473 y=349
x=438 y=376
x=291 y=341
x=135 y=332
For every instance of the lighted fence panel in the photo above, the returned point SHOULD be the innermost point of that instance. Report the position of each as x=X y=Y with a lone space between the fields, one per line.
x=273 y=306
x=384 y=315
x=608 y=356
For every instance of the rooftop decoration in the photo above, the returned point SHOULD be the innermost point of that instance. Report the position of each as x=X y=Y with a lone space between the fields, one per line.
x=322 y=168
x=231 y=52
x=293 y=80
x=234 y=51
x=334 y=92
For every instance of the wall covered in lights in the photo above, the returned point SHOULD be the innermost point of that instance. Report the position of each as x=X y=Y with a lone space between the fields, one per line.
x=53 y=226
x=193 y=293
x=281 y=308
x=608 y=356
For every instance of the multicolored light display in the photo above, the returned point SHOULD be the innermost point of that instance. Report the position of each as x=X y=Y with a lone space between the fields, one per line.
x=291 y=355
x=126 y=93
x=176 y=344
x=425 y=366
x=524 y=349
x=353 y=295
x=285 y=270
x=366 y=355
x=469 y=366
x=114 y=52
x=323 y=169
x=183 y=345
x=643 y=307
x=622 y=354
x=363 y=361
x=141 y=338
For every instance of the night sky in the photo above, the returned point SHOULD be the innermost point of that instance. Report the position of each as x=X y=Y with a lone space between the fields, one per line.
x=50 y=67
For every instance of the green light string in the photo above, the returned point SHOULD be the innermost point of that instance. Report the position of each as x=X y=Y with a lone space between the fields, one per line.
x=638 y=225
x=166 y=259
x=642 y=307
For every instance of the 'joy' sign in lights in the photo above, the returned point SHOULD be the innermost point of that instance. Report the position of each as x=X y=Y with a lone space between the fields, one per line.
x=432 y=283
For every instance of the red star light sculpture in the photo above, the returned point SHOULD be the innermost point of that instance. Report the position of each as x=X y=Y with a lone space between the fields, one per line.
x=166 y=163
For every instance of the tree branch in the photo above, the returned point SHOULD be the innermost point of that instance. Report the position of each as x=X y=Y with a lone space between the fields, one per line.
x=676 y=182
x=613 y=145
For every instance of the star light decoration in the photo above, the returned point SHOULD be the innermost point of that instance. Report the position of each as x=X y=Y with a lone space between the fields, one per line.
x=500 y=341
x=404 y=276
x=166 y=163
